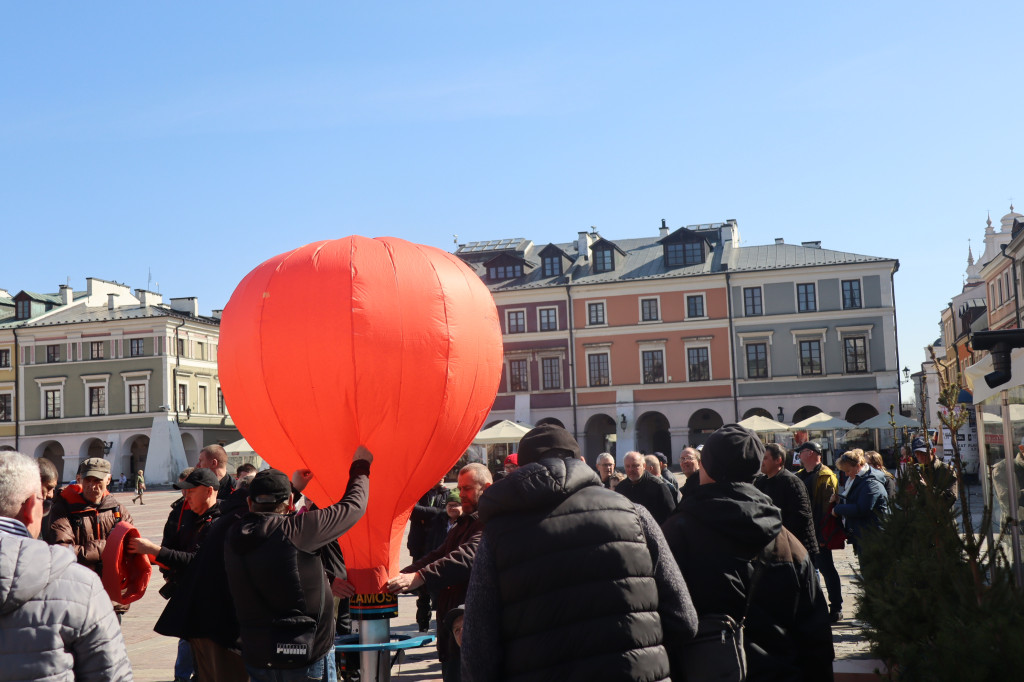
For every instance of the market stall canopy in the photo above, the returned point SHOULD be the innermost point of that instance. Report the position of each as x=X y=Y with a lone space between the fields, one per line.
x=760 y=423
x=1016 y=416
x=822 y=422
x=502 y=432
x=881 y=421
x=238 y=446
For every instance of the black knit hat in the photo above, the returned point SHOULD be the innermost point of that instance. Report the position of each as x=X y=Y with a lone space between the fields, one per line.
x=732 y=454
x=270 y=486
x=547 y=440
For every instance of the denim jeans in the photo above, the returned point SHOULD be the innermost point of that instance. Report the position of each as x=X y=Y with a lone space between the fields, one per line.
x=833 y=586
x=184 y=666
x=322 y=670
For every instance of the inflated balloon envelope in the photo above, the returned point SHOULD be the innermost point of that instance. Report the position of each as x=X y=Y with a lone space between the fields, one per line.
x=379 y=342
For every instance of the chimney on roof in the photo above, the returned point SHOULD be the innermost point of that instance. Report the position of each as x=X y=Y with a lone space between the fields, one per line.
x=663 y=232
x=811 y=245
x=111 y=301
x=67 y=294
x=147 y=298
x=188 y=305
x=583 y=244
x=778 y=240
x=217 y=313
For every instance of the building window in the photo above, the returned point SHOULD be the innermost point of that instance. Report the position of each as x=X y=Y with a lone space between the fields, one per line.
x=603 y=261
x=595 y=313
x=757 y=361
x=5 y=407
x=136 y=398
x=810 y=358
x=856 y=351
x=674 y=255
x=52 y=403
x=516 y=322
x=97 y=401
x=96 y=350
x=551 y=374
x=693 y=253
x=200 y=350
x=548 y=319
x=518 y=375
x=752 y=301
x=181 y=348
x=182 y=397
x=851 y=293
x=201 y=401
x=136 y=348
x=221 y=409
x=654 y=366
x=5 y=358
x=649 y=309
x=698 y=362
x=694 y=306
x=806 y=301
x=23 y=310
x=53 y=353
x=597 y=369
x=552 y=266
x=500 y=272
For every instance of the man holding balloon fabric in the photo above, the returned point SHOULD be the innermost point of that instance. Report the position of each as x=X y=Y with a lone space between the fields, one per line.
x=446 y=569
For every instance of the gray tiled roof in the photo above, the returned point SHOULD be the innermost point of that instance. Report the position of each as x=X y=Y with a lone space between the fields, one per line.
x=49 y=298
x=776 y=256
x=79 y=314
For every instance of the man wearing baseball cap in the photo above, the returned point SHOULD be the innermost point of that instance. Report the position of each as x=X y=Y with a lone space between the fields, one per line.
x=822 y=484
x=83 y=515
x=283 y=597
x=720 y=535
x=932 y=472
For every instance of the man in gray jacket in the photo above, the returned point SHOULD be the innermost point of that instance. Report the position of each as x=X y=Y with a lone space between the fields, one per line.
x=56 y=622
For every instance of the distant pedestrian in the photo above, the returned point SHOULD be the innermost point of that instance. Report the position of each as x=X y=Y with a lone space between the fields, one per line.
x=644 y=489
x=140 y=487
x=875 y=461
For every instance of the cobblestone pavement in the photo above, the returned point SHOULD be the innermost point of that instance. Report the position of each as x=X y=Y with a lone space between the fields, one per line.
x=152 y=655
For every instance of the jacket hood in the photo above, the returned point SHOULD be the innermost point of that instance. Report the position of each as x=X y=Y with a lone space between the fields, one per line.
x=27 y=566
x=253 y=530
x=72 y=494
x=739 y=511
x=538 y=485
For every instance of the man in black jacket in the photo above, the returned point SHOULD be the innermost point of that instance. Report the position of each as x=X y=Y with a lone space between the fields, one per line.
x=429 y=508
x=789 y=494
x=446 y=569
x=720 y=532
x=282 y=595
x=571 y=581
x=644 y=489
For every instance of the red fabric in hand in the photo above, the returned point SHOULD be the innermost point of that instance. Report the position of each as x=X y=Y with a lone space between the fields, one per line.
x=125 y=575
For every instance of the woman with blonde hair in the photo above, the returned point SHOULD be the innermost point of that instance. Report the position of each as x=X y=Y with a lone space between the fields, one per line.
x=862 y=499
x=875 y=461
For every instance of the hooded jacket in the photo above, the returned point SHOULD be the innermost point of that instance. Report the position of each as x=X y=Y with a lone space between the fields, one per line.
x=278 y=582
x=789 y=494
x=56 y=623
x=715 y=534
x=573 y=582
x=865 y=502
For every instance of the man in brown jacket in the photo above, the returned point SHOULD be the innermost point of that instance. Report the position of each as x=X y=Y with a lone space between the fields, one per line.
x=83 y=515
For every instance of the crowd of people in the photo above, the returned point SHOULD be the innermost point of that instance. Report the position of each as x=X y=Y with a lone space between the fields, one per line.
x=550 y=570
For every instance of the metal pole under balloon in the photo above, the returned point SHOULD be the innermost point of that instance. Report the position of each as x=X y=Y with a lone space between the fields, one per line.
x=375 y=665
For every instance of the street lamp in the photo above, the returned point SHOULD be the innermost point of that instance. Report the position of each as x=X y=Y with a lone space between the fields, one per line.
x=622 y=422
x=906 y=374
x=781 y=415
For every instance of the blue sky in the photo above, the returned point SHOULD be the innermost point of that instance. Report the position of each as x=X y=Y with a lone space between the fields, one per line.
x=195 y=140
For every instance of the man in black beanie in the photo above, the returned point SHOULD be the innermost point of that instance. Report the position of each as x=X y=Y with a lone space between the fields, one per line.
x=721 y=533
x=571 y=581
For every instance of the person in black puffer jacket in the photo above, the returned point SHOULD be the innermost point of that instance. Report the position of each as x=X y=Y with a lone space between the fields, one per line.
x=571 y=581
x=718 y=532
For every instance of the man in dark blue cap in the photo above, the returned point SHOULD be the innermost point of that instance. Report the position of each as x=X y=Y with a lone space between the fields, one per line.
x=721 y=534
x=933 y=472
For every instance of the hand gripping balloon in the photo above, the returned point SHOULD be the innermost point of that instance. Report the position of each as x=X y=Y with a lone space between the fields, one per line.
x=358 y=341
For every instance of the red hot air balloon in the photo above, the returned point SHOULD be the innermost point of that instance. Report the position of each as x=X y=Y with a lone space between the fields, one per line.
x=379 y=342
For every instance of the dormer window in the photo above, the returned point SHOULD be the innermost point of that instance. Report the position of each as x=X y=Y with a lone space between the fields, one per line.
x=683 y=253
x=603 y=260
x=552 y=266
x=496 y=273
x=23 y=310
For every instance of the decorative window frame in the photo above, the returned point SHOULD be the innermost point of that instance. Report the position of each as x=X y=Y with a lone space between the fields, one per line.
x=604 y=312
x=796 y=294
x=558 y=357
x=96 y=381
x=860 y=291
x=655 y=345
x=508 y=326
x=703 y=304
x=51 y=384
x=509 y=359
x=598 y=349
x=819 y=334
x=698 y=342
x=7 y=389
x=540 y=323
x=863 y=330
x=142 y=376
x=640 y=309
x=743 y=300
x=764 y=337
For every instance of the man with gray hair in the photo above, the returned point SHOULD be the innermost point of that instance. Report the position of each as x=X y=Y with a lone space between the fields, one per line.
x=605 y=468
x=56 y=621
x=646 y=490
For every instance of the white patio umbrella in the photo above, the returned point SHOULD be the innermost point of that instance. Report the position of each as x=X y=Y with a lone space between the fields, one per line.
x=504 y=431
x=881 y=421
x=822 y=422
x=762 y=424
x=239 y=447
